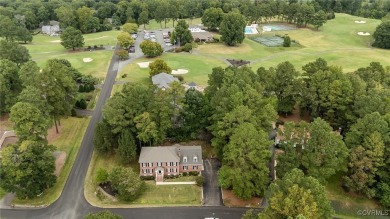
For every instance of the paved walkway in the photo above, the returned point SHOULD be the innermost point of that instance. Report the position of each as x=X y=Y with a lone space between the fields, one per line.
x=175 y=183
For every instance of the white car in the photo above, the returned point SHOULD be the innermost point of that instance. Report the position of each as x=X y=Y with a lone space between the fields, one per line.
x=153 y=40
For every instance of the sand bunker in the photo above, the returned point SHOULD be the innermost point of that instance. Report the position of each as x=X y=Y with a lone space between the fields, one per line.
x=56 y=41
x=87 y=60
x=360 y=22
x=179 y=72
x=363 y=33
x=143 y=64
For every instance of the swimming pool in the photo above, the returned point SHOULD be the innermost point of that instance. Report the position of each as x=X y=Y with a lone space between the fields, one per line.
x=250 y=30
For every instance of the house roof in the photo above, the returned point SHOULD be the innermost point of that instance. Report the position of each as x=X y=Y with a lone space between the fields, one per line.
x=192 y=84
x=163 y=80
x=174 y=153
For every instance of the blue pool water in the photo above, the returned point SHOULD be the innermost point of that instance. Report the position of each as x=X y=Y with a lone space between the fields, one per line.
x=248 y=30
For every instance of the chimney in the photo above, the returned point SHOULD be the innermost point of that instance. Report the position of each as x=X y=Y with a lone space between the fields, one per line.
x=178 y=152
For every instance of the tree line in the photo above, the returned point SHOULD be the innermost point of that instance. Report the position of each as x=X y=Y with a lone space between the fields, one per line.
x=35 y=98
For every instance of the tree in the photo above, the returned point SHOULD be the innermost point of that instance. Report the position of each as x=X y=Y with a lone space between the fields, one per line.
x=127 y=149
x=103 y=139
x=101 y=176
x=286 y=41
x=130 y=28
x=66 y=16
x=57 y=85
x=314 y=148
x=382 y=35
x=14 y=52
x=33 y=96
x=143 y=18
x=158 y=66
x=232 y=29
x=318 y=19
x=10 y=85
x=196 y=111
x=72 y=38
x=29 y=122
x=212 y=18
x=125 y=40
x=127 y=183
x=246 y=153
x=7 y=28
x=182 y=33
x=286 y=87
x=24 y=35
x=103 y=215
x=86 y=20
x=28 y=73
x=27 y=169
x=296 y=195
x=161 y=113
x=146 y=128
x=151 y=49
x=122 y=54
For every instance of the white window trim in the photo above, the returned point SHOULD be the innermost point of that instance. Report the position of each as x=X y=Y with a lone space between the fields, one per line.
x=185 y=159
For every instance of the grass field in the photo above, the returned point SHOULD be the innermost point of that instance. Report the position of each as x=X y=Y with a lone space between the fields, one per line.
x=198 y=66
x=45 y=47
x=347 y=204
x=71 y=135
x=153 y=196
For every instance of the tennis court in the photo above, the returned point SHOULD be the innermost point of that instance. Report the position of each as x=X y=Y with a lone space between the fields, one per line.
x=270 y=41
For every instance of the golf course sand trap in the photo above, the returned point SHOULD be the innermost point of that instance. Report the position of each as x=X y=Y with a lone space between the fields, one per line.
x=179 y=72
x=56 y=41
x=143 y=64
x=360 y=22
x=87 y=60
x=363 y=33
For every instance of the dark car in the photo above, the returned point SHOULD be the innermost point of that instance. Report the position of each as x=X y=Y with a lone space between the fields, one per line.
x=132 y=49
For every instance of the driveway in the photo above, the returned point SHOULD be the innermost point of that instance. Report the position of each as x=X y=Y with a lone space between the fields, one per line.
x=211 y=191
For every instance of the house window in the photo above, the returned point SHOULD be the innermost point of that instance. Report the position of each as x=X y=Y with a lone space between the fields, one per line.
x=195 y=159
x=185 y=167
x=195 y=167
x=174 y=163
x=168 y=164
x=168 y=170
x=174 y=170
x=184 y=159
x=144 y=170
x=142 y=164
x=150 y=164
x=159 y=164
x=150 y=171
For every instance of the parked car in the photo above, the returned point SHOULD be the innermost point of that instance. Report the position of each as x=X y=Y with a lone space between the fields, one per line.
x=132 y=49
x=134 y=36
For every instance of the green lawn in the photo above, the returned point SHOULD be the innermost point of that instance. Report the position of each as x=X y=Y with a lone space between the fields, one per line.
x=347 y=204
x=45 y=47
x=2 y=192
x=153 y=195
x=182 y=179
x=198 y=67
x=71 y=135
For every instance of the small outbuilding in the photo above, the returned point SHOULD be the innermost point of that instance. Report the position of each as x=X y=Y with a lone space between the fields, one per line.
x=163 y=80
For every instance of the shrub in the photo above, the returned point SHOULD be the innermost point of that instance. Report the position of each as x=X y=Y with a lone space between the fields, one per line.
x=82 y=104
x=122 y=54
x=124 y=76
x=199 y=180
x=216 y=39
x=197 y=40
x=185 y=174
x=178 y=49
x=286 y=41
x=127 y=183
x=73 y=113
x=101 y=176
x=147 y=177
x=81 y=88
x=193 y=173
x=95 y=46
x=187 y=47
x=180 y=77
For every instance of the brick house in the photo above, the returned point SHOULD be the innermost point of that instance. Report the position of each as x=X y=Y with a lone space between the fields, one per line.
x=170 y=160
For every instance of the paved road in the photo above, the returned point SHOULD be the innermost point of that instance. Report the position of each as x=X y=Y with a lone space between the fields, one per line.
x=211 y=191
x=72 y=203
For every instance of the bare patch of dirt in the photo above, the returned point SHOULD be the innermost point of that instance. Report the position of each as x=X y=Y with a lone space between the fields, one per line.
x=5 y=124
x=52 y=134
x=295 y=116
x=230 y=200
x=60 y=160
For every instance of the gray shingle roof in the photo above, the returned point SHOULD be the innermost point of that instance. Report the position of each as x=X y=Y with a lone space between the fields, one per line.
x=192 y=84
x=163 y=80
x=174 y=153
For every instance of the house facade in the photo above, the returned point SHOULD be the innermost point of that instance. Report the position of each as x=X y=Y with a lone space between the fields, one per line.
x=170 y=160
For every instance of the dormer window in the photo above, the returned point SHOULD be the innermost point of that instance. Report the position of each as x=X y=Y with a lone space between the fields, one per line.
x=195 y=159
x=184 y=159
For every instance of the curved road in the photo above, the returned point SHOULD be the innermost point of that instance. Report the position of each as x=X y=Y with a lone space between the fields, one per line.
x=72 y=204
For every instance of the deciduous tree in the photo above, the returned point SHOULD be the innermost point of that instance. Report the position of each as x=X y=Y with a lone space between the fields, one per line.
x=72 y=38
x=146 y=128
x=151 y=49
x=232 y=29
x=10 y=85
x=381 y=35
x=104 y=140
x=296 y=195
x=125 y=40
x=246 y=153
x=212 y=18
x=14 y=52
x=182 y=33
x=27 y=169
x=127 y=183
x=127 y=149
x=130 y=28
x=159 y=66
